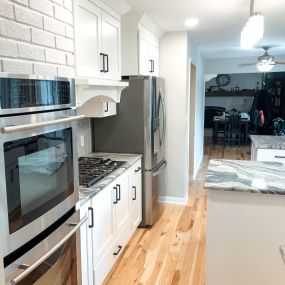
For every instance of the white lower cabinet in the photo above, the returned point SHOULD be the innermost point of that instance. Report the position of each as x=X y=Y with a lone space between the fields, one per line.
x=135 y=188
x=116 y=215
x=267 y=154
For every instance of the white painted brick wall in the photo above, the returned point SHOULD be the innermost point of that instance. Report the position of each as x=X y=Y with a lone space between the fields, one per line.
x=43 y=38
x=43 y=6
x=6 y=9
x=36 y=37
x=8 y=48
x=29 y=17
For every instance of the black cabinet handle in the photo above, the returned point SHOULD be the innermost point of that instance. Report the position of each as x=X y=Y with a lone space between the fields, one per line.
x=107 y=108
x=119 y=190
x=107 y=62
x=119 y=249
x=92 y=217
x=116 y=202
x=279 y=156
x=152 y=65
x=135 y=188
x=102 y=55
x=137 y=170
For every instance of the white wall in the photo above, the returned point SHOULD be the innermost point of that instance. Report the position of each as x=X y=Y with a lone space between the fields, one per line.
x=36 y=37
x=173 y=67
x=198 y=60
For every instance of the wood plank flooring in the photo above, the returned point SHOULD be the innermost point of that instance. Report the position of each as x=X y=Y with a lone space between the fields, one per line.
x=173 y=250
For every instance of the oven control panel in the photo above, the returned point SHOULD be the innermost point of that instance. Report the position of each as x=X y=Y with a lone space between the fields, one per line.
x=29 y=93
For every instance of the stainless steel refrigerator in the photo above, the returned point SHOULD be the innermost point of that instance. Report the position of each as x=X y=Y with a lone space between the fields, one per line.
x=139 y=127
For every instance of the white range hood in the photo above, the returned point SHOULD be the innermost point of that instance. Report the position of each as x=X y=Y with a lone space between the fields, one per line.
x=92 y=93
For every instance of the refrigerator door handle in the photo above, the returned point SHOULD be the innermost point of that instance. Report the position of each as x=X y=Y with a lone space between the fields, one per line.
x=164 y=117
x=159 y=169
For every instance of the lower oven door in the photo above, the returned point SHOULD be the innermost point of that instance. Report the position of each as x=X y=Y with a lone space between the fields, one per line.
x=55 y=260
x=38 y=173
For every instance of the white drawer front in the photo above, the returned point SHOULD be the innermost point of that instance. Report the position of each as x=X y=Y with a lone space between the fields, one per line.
x=271 y=155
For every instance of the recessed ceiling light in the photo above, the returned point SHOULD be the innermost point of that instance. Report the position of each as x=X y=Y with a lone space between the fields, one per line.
x=191 y=22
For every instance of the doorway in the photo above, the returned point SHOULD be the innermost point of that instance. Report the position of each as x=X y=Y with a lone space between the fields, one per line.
x=192 y=119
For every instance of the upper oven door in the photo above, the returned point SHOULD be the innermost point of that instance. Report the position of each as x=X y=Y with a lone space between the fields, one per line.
x=25 y=94
x=38 y=166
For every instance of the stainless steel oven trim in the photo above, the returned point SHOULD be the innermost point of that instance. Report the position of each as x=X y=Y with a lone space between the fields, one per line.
x=12 y=241
x=37 y=255
x=26 y=127
x=42 y=108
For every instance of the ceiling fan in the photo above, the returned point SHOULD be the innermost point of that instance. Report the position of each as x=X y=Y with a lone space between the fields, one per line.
x=265 y=62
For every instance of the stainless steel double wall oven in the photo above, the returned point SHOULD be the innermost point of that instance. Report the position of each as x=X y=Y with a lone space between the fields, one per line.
x=39 y=178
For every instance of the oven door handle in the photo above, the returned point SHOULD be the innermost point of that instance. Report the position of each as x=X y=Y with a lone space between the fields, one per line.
x=32 y=267
x=13 y=129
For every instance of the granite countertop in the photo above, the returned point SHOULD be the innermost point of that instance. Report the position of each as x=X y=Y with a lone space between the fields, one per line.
x=268 y=142
x=130 y=159
x=246 y=176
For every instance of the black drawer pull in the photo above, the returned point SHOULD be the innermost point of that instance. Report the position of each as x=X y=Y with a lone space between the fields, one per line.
x=119 y=249
x=119 y=192
x=137 y=170
x=116 y=202
x=102 y=55
x=279 y=156
x=107 y=108
x=135 y=188
x=92 y=217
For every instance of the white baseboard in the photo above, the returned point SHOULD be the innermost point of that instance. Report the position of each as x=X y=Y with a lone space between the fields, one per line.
x=174 y=200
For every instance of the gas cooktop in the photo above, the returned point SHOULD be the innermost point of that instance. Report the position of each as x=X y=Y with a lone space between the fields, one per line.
x=93 y=169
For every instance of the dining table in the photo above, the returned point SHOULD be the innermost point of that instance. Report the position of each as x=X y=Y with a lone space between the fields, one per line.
x=219 y=123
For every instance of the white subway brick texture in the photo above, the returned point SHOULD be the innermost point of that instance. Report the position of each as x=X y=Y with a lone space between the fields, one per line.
x=37 y=37
x=16 y=66
x=60 y=2
x=69 y=32
x=43 y=38
x=28 y=51
x=63 y=15
x=54 y=56
x=45 y=69
x=8 y=48
x=21 y=2
x=70 y=59
x=6 y=9
x=54 y=26
x=14 y=30
x=65 y=72
x=26 y=16
x=64 y=44
x=68 y=4
x=43 y=6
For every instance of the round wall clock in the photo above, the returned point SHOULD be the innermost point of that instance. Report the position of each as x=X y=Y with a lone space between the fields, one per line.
x=223 y=80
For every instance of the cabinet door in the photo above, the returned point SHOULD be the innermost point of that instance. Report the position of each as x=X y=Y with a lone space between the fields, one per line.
x=123 y=213
x=111 y=46
x=87 y=39
x=86 y=244
x=103 y=231
x=144 y=60
x=135 y=188
x=154 y=56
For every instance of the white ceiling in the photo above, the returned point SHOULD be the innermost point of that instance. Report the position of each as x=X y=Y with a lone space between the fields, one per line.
x=220 y=22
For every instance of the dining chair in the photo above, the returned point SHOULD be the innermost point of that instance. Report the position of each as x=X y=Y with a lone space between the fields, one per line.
x=233 y=129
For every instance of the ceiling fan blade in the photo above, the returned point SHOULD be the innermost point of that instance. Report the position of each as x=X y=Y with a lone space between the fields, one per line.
x=280 y=62
x=246 y=64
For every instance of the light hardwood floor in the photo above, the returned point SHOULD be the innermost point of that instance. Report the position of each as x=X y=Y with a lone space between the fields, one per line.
x=173 y=250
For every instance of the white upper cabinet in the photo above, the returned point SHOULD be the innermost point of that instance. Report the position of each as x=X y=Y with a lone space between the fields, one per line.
x=148 y=53
x=97 y=41
x=140 y=45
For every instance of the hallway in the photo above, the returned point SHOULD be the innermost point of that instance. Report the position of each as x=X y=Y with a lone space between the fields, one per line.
x=173 y=250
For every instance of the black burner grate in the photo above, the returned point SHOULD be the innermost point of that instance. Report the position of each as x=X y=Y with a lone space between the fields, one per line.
x=93 y=169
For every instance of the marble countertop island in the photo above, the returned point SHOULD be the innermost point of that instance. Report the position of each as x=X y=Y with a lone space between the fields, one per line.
x=246 y=176
x=130 y=159
x=268 y=142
